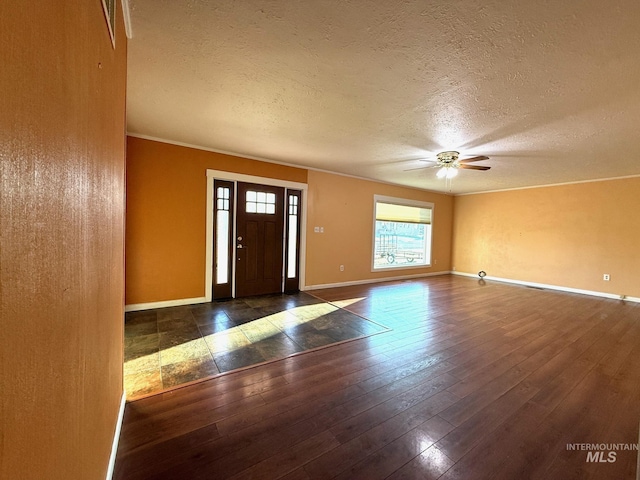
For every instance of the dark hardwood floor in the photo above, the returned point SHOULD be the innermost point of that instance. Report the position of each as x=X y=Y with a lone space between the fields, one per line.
x=474 y=381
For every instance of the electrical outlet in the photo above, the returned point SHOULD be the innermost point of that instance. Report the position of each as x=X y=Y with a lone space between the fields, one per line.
x=342 y=268
x=316 y=229
x=606 y=277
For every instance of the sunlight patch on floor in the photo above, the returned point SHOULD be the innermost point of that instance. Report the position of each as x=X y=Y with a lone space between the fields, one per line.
x=347 y=302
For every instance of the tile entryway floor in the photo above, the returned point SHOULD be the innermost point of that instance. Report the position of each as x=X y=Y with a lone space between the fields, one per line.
x=167 y=347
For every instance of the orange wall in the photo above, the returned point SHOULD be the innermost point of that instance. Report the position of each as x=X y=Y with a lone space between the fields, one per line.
x=567 y=235
x=61 y=221
x=166 y=216
x=343 y=206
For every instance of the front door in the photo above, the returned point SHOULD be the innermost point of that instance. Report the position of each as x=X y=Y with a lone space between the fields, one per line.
x=259 y=239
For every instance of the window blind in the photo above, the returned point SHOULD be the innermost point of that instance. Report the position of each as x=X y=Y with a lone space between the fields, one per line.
x=390 y=212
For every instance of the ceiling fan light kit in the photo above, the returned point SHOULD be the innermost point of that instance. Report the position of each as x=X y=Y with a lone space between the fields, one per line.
x=447 y=172
x=450 y=163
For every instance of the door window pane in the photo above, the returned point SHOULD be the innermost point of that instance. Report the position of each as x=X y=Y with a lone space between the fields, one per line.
x=260 y=202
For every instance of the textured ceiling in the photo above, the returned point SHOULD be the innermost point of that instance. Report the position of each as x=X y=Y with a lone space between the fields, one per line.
x=550 y=90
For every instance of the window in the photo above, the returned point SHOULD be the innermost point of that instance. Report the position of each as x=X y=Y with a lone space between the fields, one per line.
x=223 y=227
x=292 y=240
x=401 y=233
x=292 y=245
x=261 y=202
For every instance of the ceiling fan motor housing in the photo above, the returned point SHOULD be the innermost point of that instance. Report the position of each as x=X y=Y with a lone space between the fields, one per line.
x=448 y=158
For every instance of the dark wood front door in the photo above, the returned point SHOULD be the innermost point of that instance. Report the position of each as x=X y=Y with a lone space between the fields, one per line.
x=259 y=239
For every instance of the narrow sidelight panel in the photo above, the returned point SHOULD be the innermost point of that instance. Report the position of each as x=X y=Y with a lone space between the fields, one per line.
x=223 y=238
x=292 y=245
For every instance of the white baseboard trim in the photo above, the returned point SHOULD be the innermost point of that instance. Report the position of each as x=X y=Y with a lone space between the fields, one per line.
x=374 y=280
x=559 y=288
x=136 y=307
x=116 y=437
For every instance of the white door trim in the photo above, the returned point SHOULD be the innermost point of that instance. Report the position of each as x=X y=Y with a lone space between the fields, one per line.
x=240 y=177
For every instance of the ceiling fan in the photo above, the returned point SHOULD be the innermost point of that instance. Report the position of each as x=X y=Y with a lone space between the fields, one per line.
x=449 y=164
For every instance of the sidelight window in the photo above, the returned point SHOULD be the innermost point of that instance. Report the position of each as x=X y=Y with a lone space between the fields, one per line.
x=223 y=227
x=292 y=240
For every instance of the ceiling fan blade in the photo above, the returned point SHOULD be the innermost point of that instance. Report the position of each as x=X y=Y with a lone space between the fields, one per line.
x=473 y=159
x=474 y=167
x=419 y=168
x=412 y=169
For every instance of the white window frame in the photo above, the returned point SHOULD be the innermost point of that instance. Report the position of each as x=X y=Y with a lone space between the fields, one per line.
x=406 y=202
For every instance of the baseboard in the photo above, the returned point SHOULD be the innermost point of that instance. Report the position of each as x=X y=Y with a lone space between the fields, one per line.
x=136 y=307
x=374 y=280
x=559 y=288
x=116 y=437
